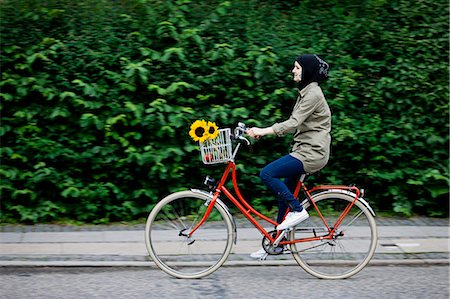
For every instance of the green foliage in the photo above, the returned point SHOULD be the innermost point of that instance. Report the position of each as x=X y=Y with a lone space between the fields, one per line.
x=97 y=99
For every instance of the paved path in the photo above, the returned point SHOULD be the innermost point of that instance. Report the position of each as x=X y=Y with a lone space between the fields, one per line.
x=401 y=241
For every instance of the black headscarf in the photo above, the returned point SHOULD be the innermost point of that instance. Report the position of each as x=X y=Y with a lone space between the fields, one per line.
x=314 y=69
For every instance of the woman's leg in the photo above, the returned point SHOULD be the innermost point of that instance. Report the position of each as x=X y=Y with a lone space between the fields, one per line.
x=291 y=183
x=285 y=167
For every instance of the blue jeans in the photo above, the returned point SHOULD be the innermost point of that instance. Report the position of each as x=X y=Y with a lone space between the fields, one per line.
x=290 y=169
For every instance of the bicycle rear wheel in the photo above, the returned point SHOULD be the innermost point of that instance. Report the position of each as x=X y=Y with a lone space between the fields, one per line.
x=352 y=246
x=179 y=255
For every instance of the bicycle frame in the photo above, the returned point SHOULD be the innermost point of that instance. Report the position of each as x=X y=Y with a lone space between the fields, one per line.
x=249 y=211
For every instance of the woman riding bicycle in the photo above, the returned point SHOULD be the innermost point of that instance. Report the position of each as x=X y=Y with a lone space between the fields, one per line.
x=310 y=121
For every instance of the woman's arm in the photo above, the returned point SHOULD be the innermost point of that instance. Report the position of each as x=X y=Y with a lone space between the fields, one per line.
x=306 y=107
x=256 y=132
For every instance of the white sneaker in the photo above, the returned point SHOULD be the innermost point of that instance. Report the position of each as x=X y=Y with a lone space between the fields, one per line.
x=292 y=219
x=258 y=254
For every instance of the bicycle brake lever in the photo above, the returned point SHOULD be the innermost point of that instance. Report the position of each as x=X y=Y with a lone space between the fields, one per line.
x=240 y=137
x=244 y=139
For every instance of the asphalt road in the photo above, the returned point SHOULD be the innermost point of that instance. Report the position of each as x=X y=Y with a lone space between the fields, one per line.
x=228 y=282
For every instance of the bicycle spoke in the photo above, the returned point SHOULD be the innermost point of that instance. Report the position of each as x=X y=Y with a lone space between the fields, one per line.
x=352 y=244
x=174 y=223
x=354 y=218
x=173 y=250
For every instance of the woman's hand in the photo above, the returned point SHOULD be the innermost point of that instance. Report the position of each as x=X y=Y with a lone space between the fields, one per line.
x=257 y=133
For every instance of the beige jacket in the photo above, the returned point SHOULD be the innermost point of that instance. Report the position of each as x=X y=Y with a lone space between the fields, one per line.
x=310 y=122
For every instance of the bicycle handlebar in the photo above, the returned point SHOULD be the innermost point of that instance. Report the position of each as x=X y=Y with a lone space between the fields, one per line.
x=239 y=131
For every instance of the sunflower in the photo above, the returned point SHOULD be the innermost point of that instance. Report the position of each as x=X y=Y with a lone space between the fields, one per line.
x=199 y=131
x=213 y=130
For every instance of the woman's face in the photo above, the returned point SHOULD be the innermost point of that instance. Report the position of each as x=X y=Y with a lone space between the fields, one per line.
x=297 y=71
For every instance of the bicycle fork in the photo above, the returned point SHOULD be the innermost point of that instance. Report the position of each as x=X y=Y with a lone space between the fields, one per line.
x=211 y=200
x=189 y=239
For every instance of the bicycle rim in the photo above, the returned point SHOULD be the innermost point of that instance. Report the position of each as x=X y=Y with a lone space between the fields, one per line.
x=176 y=253
x=351 y=248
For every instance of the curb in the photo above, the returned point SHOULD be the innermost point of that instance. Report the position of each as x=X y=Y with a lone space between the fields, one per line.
x=406 y=262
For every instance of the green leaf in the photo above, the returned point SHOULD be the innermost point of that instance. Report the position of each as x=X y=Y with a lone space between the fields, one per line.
x=70 y=192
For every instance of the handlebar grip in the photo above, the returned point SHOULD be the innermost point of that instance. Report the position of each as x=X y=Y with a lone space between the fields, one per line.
x=242 y=126
x=240 y=129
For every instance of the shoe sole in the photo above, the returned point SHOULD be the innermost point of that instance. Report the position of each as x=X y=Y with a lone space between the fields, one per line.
x=259 y=257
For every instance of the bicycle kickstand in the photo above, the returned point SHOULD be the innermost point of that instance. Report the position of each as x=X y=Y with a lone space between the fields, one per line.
x=264 y=257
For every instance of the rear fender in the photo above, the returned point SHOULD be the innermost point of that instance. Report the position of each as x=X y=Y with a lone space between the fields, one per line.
x=347 y=192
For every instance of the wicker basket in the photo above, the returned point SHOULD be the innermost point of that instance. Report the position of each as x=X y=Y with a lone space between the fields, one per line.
x=217 y=150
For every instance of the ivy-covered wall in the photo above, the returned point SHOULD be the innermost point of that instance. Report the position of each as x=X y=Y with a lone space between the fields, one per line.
x=97 y=98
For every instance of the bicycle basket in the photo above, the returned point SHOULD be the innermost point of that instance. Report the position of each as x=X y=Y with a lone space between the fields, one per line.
x=217 y=150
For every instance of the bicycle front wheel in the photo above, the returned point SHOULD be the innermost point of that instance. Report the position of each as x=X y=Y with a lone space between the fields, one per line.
x=352 y=246
x=180 y=255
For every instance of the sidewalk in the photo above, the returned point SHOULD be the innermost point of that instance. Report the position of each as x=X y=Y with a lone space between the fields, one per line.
x=418 y=241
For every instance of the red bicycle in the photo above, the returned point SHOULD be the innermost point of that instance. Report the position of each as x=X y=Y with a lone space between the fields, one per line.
x=190 y=234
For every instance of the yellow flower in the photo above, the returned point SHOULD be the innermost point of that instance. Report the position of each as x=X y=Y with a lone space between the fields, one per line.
x=213 y=130
x=199 y=131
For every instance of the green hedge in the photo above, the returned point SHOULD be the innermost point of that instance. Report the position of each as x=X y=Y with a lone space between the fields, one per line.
x=98 y=96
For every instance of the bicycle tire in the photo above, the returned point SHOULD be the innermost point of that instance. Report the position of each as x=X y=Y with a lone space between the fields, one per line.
x=173 y=251
x=354 y=242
